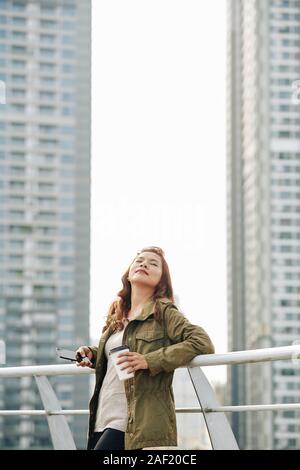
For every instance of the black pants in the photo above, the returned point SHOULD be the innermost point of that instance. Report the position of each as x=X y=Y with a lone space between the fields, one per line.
x=109 y=439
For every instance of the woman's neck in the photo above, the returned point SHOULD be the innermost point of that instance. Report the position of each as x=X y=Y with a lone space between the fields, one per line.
x=139 y=298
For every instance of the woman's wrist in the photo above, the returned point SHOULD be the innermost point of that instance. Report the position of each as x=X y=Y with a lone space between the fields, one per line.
x=92 y=354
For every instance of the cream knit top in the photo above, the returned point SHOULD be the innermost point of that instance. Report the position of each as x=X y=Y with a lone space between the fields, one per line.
x=112 y=409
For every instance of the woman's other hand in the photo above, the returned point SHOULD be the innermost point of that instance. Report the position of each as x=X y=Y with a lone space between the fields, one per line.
x=87 y=356
x=135 y=361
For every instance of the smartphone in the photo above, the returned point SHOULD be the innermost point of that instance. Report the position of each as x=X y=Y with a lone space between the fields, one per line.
x=68 y=354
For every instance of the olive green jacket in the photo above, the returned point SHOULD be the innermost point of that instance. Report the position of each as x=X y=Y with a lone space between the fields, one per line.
x=150 y=398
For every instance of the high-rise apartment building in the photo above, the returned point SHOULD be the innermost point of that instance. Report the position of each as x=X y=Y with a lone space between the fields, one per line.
x=263 y=171
x=45 y=55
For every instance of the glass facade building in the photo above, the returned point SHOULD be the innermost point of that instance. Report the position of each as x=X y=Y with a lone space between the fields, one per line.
x=45 y=54
x=263 y=172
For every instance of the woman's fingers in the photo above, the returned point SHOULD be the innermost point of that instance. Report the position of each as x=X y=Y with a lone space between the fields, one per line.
x=84 y=363
x=127 y=366
x=134 y=360
x=86 y=355
x=125 y=357
x=85 y=351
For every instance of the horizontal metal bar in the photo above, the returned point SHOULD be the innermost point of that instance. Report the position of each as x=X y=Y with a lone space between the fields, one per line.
x=27 y=371
x=235 y=357
x=275 y=407
x=42 y=412
x=74 y=412
x=69 y=412
x=22 y=412
x=250 y=356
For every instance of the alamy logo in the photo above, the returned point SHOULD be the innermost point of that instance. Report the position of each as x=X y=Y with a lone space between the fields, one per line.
x=296 y=92
x=2 y=92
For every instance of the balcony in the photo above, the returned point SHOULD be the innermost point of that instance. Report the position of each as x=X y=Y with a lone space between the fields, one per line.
x=219 y=431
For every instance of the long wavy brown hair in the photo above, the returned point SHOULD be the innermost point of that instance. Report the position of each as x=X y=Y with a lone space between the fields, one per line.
x=119 y=308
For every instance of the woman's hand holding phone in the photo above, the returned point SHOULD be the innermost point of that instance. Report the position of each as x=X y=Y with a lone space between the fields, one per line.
x=86 y=356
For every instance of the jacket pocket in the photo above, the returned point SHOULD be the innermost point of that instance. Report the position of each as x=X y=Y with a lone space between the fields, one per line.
x=149 y=340
x=150 y=335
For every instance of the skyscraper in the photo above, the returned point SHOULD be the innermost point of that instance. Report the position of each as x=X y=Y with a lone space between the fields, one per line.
x=45 y=64
x=263 y=174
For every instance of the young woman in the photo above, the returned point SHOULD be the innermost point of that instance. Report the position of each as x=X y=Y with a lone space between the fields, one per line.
x=140 y=411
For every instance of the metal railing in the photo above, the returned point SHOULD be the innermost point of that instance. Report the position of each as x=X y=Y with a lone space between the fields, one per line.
x=219 y=430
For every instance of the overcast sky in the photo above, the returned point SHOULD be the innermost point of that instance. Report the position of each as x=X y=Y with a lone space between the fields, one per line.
x=158 y=153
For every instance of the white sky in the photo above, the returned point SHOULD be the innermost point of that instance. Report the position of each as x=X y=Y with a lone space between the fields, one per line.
x=158 y=153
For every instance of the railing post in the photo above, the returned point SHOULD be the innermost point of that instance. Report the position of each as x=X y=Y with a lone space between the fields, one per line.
x=60 y=432
x=218 y=427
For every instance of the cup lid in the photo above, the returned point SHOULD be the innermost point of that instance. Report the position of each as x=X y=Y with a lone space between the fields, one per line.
x=119 y=348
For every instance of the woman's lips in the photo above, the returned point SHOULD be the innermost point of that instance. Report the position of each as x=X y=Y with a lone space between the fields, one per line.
x=141 y=271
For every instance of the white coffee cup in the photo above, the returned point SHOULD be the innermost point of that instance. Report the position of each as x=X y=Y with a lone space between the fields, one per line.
x=122 y=374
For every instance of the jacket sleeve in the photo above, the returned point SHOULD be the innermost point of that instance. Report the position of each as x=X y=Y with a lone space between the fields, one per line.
x=190 y=341
x=94 y=350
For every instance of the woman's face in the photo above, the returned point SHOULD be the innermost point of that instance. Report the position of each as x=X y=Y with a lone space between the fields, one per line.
x=151 y=264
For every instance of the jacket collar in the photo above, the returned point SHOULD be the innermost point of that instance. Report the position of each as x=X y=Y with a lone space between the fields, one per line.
x=146 y=311
x=149 y=308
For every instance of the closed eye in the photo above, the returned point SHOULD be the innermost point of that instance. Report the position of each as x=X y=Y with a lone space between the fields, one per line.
x=154 y=264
